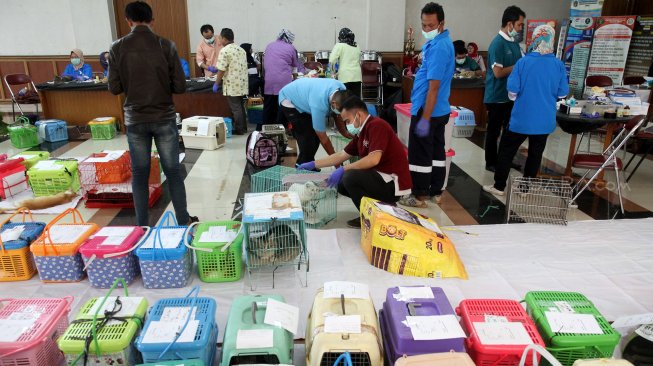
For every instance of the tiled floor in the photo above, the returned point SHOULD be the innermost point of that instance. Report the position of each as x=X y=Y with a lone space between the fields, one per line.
x=215 y=180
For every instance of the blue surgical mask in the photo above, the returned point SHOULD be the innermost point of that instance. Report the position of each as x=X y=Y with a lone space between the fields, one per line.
x=430 y=35
x=75 y=61
x=513 y=33
x=335 y=110
x=210 y=40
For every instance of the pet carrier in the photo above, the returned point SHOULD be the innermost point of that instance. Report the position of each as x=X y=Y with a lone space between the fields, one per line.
x=180 y=329
x=12 y=178
x=103 y=331
x=16 y=261
x=32 y=157
x=262 y=151
x=222 y=262
x=274 y=232
x=597 y=340
x=164 y=255
x=277 y=133
x=436 y=359
x=339 y=143
x=103 y=128
x=108 y=255
x=229 y=125
x=271 y=179
x=248 y=339
x=52 y=130
x=202 y=132
x=107 y=167
x=538 y=200
x=326 y=339
x=22 y=134
x=414 y=302
x=56 y=251
x=464 y=122
x=30 y=328
x=49 y=177
x=319 y=202
x=497 y=330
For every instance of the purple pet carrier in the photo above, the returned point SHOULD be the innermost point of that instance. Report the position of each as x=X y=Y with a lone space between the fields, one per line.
x=261 y=150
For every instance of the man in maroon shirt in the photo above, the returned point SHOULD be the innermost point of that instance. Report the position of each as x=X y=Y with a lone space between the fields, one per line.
x=382 y=171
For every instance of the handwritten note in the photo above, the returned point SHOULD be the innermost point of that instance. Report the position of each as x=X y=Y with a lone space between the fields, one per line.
x=12 y=233
x=13 y=329
x=170 y=238
x=499 y=333
x=177 y=314
x=165 y=332
x=434 y=327
x=114 y=235
x=282 y=315
x=203 y=127
x=67 y=233
x=218 y=234
x=632 y=320
x=254 y=338
x=128 y=307
x=417 y=292
x=351 y=290
x=573 y=323
x=342 y=324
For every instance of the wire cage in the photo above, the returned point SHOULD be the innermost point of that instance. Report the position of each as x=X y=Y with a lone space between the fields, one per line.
x=271 y=179
x=319 y=202
x=274 y=233
x=339 y=142
x=538 y=200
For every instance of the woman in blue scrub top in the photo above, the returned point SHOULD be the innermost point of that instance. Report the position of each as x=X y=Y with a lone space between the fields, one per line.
x=77 y=69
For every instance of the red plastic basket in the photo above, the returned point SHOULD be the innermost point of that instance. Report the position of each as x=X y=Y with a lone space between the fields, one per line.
x=476 y=310
x=37 y=345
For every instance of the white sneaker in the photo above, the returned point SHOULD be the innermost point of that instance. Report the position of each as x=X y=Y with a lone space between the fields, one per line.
x=490 y=189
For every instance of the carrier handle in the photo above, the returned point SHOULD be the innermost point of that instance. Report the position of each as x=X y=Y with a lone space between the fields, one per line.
x=111 y=255
x=22 y=210
x=342 y=303
x=254 y=310
x=536 y=348
x=411 y=307
x=46 y=231
x=187 y=240
x=226 y=246
x=165 y=222
x=196 y=291
x=118 y=280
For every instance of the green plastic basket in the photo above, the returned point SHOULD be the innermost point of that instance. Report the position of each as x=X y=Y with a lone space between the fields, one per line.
x=114 y=340
x=271 y=179
x=32 y=157
x=103 y=131
x=218 y=265
x=176 y=363
x=23 y=135
x=569 y=347
x=339 y=142
x=46 y=182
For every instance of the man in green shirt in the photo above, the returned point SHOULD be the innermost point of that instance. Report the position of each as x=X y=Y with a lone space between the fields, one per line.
x=464 y=62
x=502 y=54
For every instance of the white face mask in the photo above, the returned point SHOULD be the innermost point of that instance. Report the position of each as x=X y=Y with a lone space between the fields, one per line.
x=430 y=35
x=210 y=40
x=460 y=61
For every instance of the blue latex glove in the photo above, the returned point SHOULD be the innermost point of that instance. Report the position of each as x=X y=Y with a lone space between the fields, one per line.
x=306 y=166
x=216 y=88
x=80 y=77
x=422 y=128
x=335 y=177
x=212 y=69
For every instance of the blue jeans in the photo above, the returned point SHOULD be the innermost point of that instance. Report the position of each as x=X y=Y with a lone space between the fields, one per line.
x=166 y=139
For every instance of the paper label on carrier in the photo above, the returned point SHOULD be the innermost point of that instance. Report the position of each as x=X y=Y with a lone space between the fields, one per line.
x=489 y=318
x=12 y=233
x=351 y=290
x=282 y=315
x=419 y=292
x=433 y=327
x=13 y=329
x=177 y=314
x=128 y=306
x=218 y=234
x=114 y=235
x=165 y=332
x=511 y=333
x=202 y=127
x=350 y=324
x=67 y=233
x=573 y=323
x=564 y=307
x=254 y=338
x=645 y=331
x=48 y=165
x=632 y=320
x=170 y=238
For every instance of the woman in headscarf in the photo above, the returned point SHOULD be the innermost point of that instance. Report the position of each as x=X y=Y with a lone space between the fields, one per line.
x=104 y=61
x=345 y=59
x=255 y=81
x=472 y=52
x=279 y=60
x=536 y=83
x=77 y=69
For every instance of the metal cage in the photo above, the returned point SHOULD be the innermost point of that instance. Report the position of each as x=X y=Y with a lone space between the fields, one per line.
x=538 y=200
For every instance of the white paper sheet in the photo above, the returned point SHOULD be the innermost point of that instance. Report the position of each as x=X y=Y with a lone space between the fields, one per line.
x=351 y=290
x=282 y=315
x=632 y=320
x=14 y=184
x=499 y=333
x=342 y=324
x=63 y=234
x=165 y=332
x=13 y=329
x=203 y=127
x=12 y=233
x=419 y=292
x=434 y=327
x=129 y=306
x=254 y=338
x=48 y=165
x=175 y=314
x=646 y=332
x=573 y=323
x=218 y=234
x=495 y=319
x=564 y=307
x=170 y=238
x=114 y=235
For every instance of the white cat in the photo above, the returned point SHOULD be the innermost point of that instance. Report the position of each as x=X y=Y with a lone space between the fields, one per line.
x=309 y=194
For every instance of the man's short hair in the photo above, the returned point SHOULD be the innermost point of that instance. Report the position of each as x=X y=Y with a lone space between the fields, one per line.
x=511 y=14
x=227 y=34
x=434 y=8
x=353 y=102
x=340 y=96
x=138 y=11
x=460 y=49
x=205 y=28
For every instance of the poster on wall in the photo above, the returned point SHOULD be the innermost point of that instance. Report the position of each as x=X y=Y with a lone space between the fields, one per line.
x=640 y=54
x=585 y=8
x=610 y=46
x=562 y=38
x=532 y=24
x=577 y=52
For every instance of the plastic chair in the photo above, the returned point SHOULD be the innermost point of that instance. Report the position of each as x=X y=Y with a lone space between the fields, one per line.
x=643 y=136
x=607 y=160
x=31 y=97
x=634 y=80
x=372 y=82
x=592 y=81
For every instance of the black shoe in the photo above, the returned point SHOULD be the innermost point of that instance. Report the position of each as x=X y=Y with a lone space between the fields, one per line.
x=354 y=223
x=490 y=168
x=193 y=219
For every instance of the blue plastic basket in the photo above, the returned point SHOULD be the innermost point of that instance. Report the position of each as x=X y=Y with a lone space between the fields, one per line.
x=202 y=348
x=229 y=124
x=30 y=233
x=165 y=267
x=52 y=130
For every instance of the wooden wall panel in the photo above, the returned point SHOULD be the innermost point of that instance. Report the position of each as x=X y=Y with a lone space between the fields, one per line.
x=40 y=71
x=10 y=67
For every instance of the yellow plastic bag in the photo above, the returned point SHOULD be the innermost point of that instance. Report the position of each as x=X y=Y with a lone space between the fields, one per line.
x=407 y=243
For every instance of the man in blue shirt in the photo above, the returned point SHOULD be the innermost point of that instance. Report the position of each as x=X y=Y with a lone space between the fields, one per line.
x=430 y=110
x=306 y=103
x=502 y=54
